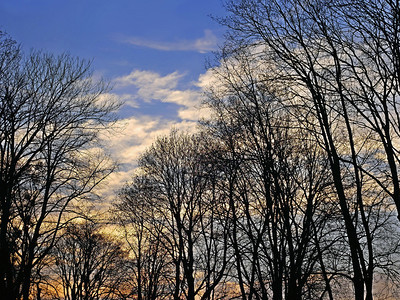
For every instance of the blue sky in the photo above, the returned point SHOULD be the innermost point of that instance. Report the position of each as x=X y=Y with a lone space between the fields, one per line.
x=120 y=34
x=152 y=51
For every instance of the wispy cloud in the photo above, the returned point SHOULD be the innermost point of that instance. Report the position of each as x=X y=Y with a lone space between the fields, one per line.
x=204 y=44
x=135 y=134
x=149 y=83
x=151 y=86
x=127 y=99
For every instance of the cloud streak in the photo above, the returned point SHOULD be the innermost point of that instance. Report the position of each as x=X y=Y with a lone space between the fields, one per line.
x=204 y=44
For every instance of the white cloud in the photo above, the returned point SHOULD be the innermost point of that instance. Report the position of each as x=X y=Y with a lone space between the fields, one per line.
x=127 y=99
x=204 y=44
x=135 y=136
x=150 y=86
x=146 y=78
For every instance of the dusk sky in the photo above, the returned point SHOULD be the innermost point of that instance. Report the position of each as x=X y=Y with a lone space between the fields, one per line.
x=152 y=51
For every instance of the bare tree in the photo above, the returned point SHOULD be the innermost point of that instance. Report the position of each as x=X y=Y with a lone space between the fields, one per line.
x=88 y=264
x=276 y=182
x=179 y=202
x=335 y=64
x=150 y=267
x=50 y=117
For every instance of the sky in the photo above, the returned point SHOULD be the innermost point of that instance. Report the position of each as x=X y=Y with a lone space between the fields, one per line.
x=153 y=52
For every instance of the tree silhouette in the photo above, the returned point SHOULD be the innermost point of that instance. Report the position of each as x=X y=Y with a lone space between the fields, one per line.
x=88 y=264
x=50 y=117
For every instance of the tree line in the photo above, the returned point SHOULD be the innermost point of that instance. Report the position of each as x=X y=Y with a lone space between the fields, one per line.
x=289 y=190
